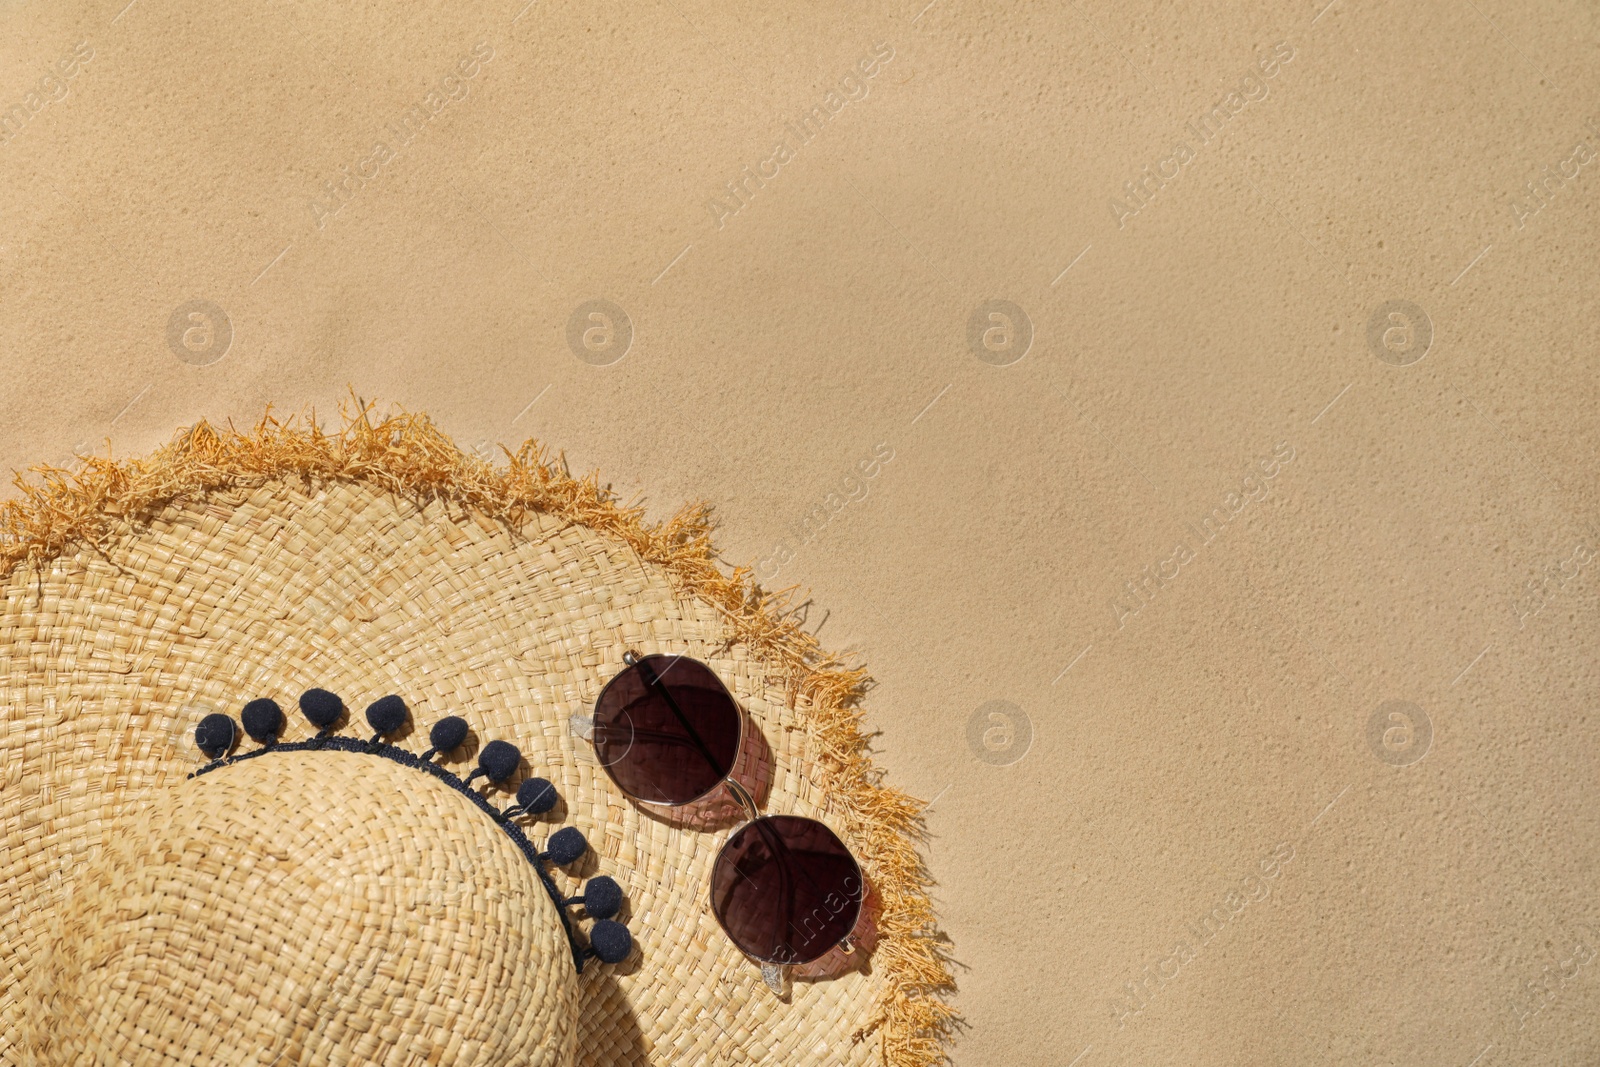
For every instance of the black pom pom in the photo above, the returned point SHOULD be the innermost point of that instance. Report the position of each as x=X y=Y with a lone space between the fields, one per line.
x=321 y=707
x=536 y=796
x=610 y=941
x=566 y=846
x=263 y=720
x=448 y=733
x=602 y=897
x=214 y=736
x=498 y=760
x=387 y=714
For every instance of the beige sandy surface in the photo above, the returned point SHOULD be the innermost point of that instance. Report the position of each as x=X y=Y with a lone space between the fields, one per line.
x=1317 y=518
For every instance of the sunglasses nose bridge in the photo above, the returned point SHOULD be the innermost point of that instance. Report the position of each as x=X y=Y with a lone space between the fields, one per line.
x=742 y=795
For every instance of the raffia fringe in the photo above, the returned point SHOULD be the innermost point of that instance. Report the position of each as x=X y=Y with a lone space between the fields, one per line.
x=406 y=454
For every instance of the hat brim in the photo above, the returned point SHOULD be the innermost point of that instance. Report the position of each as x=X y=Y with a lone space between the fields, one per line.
x=140 y=595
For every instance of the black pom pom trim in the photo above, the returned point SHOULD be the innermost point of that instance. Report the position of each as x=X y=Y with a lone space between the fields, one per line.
x=602 y=897
x=263 y=720
x=498 y=761
x=610 y=941
x=215 y=735
x=448 y=733
x=536 y=796
x=387 y=714
x=567 y=845
x=321 y=707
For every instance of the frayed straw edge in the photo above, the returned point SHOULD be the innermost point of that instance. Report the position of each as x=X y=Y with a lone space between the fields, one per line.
x=406 y=454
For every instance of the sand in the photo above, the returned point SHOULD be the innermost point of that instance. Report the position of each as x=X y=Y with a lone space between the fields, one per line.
x=1187 y=412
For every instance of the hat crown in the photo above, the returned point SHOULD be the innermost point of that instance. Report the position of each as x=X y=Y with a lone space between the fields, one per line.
x=290 y=891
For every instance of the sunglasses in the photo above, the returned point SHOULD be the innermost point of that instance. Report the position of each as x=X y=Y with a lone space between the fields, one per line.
x=784 y=888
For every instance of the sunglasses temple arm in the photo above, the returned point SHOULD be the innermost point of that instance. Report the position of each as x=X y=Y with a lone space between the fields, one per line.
x=786 y=882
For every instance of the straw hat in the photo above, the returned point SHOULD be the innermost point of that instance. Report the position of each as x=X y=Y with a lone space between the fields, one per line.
x=323 y=905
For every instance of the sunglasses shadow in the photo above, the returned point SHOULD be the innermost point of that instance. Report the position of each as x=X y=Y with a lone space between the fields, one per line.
x=718 y=810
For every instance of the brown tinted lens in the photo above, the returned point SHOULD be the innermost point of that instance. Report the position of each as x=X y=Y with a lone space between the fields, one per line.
x=786 y=889
x=666 y=730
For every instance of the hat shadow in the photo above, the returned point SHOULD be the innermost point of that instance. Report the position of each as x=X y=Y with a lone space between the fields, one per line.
x=608 y=1030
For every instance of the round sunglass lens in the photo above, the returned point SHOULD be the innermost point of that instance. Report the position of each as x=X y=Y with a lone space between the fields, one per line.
x=667 y=730
x=786 y=889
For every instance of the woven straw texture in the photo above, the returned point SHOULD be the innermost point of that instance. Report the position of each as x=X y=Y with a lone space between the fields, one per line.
x=316 y=907
x=141 y=596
